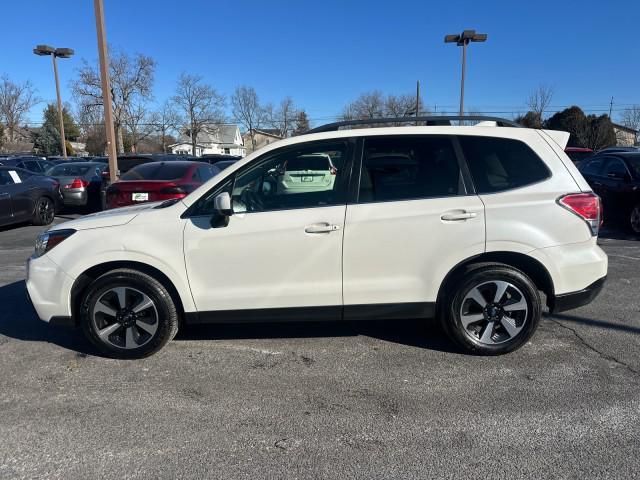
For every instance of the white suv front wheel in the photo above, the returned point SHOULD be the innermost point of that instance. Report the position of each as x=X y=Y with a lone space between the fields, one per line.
x=128 y=314
x=491 y=309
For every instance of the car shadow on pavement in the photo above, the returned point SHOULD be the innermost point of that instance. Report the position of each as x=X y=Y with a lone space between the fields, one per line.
x=617 y=233
x=417 y=333
x=18 y=320
x=594 y=323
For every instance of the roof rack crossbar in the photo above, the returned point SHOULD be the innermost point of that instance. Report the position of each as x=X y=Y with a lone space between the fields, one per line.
x=429 y=120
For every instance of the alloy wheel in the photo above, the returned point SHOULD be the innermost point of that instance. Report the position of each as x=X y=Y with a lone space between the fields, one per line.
x=46 y=211
x=125 y=317
x=493 y=312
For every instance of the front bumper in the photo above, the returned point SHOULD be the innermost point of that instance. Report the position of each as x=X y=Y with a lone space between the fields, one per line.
x=569 y=301
x=49 y=288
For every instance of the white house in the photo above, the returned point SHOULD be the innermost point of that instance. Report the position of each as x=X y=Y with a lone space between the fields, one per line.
x=213 y=139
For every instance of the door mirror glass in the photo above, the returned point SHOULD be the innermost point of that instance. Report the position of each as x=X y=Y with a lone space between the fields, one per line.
x=222 y=204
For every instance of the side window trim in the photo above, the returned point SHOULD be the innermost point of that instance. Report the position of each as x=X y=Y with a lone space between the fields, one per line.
x=354 y=195
x=350 y=143
x=610 y=159
x=470 y=188
x=549 y=173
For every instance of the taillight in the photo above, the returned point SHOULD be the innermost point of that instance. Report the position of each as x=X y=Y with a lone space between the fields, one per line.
x=77 y=183
x=173 y=191
x=587 y=206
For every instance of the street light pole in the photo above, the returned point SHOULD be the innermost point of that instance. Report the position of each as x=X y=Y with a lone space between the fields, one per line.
x=44 y=50
x=463 y=40
x=63 y=140
x=106 y=90
x=464 y=66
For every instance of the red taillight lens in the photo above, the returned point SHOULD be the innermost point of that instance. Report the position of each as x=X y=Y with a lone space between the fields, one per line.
x=587 y=206
x=77 y=183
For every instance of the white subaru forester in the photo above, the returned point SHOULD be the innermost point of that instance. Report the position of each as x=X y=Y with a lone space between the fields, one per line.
x=464 y=223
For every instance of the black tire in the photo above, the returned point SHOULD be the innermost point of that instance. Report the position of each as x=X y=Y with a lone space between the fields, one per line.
x=455 y=299
x=634 y=219
x=44 y=211
x=137 y=282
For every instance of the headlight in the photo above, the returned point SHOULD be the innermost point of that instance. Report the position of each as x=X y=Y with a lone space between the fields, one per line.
x=47 y=240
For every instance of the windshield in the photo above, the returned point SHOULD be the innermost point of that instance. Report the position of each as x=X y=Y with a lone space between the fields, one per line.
x=68 y=170
x=157 y=171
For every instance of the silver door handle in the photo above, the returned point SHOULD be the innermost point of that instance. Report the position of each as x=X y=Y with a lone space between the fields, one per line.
x=323 y=227
x=454 y=217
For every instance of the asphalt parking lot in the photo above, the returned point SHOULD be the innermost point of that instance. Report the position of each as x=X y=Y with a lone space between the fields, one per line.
x=366 y=400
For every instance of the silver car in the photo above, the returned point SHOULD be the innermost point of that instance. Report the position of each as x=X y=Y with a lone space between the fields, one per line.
x=80 y=182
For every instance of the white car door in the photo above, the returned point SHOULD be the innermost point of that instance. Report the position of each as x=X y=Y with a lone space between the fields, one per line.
x=281 y=249
x=412 y=222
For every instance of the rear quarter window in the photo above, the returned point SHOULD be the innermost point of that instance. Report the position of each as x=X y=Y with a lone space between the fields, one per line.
x=499 y=164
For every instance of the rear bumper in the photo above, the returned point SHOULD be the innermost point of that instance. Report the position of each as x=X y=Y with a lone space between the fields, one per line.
x=569 y=301
x=78 y=198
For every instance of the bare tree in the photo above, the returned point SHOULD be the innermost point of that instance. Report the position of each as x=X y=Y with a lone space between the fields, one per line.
x=200 y=106
x=282 y=118
x=375 y=105
x=367 y=105
x=138 y=123
x=131 y=86
x=539 y=101
x=165 y=120
x=247 y=111
x=402 y=106
x=631 y=118
x=15 y=102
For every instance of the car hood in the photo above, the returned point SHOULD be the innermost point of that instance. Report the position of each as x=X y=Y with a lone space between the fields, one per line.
x=108 y=218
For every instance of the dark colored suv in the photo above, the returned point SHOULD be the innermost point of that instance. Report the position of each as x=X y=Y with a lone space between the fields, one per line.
x=616 y=178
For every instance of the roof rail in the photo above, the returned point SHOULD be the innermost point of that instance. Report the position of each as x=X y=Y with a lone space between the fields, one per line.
x=427 y=120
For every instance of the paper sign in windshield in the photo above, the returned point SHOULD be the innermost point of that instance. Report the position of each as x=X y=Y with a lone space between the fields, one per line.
x=14 y=176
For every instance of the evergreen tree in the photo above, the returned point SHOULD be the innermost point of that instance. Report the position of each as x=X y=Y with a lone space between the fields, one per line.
x=47 y=140
x=71 y=131
x=301 y=123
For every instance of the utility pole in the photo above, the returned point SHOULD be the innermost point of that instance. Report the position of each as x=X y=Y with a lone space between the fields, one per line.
x=610 y=107
x=417 y=100
x=106 y=90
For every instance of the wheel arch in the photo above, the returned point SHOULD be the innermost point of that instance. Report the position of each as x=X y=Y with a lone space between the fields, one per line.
x=83 y=281
x=533 y=268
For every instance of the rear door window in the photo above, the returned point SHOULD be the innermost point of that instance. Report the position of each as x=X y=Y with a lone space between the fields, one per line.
x=32 y=165
x=5 y=178
x=592 y=167
x=396 y=168
x=499 y=164
x=615 y=168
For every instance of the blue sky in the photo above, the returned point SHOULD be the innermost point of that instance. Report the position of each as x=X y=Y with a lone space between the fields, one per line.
x=325 y=53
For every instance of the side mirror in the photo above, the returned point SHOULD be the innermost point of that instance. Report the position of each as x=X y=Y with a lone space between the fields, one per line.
x=222 y=204
x=222 y=210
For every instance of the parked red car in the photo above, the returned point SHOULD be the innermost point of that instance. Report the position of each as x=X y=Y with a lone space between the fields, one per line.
x=157 y=181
